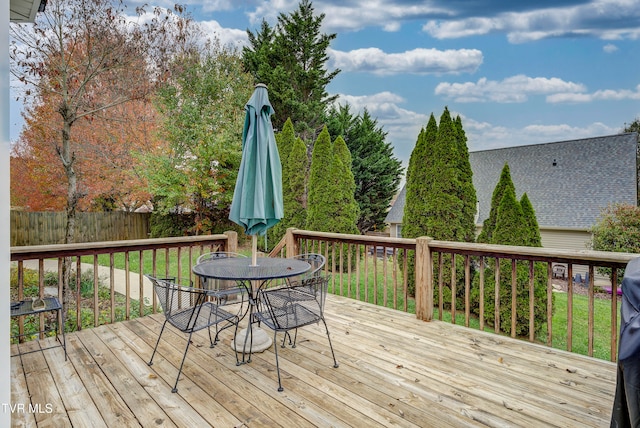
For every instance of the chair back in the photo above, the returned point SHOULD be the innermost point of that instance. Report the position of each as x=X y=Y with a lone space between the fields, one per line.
x=296 y=305
x=217 y=255
x=179 y=301
x=218 y=284
x=317 y=262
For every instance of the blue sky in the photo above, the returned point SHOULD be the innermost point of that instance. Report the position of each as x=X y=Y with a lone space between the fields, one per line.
x=517 y=72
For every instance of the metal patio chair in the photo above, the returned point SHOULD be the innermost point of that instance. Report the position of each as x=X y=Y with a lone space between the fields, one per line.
x=291 y=307
x=229 y=290
x=188 y=310
x=317 y=262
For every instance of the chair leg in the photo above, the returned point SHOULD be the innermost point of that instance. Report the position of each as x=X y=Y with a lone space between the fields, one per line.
x=184 y=357
x=275 y=347
x=211 y=341
x=335 y=363
x=150 y=363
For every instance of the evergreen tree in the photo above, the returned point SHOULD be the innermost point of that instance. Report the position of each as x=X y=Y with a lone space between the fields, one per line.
x=514 y=224
x=503 y=185
x=376 y=171
x=297 y=168
x=291 y=60
x=532 y=230
x=346 y=208
x=419 y=182
x=438 y=189
x=293 y=192
x=467 y=191
x=509 y=221
x=443 y=204
x=414 y=220
x=286 y=141
x=322 y=186
x=331 y=205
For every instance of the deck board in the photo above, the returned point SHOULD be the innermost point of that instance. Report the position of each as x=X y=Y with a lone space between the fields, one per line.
x=394 y=371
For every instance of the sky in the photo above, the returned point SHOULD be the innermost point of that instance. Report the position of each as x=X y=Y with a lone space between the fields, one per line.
x=516 y=72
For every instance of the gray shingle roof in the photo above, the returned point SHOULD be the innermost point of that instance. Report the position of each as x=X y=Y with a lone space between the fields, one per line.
x=568 y=182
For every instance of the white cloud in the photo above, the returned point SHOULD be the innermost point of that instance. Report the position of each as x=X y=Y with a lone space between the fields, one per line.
x=604 y=19
x=226 y=36
x=609 y=48
x=358 y=14
x=601 y=95
x=485 y=136
x=403 y=126
x=515 y=89
x=416 y=61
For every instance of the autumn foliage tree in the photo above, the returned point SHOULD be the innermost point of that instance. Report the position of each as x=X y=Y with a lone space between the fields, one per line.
x=81 y=59
x=109 y=174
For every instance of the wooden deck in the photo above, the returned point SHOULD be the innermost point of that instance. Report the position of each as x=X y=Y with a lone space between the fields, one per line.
x=394 y=371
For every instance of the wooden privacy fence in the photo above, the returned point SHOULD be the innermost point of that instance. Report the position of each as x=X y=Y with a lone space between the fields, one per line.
x=48 y=228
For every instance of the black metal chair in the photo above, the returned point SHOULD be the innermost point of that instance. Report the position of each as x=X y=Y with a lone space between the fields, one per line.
x=188 y=310
x=291 y=307
x=317 y=262
x=230 y=288
x=217 y=255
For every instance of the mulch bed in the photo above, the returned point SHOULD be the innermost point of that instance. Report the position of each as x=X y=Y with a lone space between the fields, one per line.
x=560 y=285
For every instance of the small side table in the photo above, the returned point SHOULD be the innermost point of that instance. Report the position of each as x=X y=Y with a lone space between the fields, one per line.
x=51 y=304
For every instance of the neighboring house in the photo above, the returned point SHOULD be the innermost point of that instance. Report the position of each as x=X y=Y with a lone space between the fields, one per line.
x=568 y=183
x=25 y=10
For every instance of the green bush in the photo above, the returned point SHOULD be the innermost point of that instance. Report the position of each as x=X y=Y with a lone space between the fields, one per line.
x=617 y=230
x=167 y=225
x=522 y=298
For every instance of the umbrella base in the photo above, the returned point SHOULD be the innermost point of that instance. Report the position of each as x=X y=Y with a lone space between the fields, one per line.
x=261 y=340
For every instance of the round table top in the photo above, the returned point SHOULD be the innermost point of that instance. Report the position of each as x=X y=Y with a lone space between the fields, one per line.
x=240 y=269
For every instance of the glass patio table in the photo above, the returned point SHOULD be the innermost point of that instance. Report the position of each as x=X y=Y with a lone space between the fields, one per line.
x=252 y=278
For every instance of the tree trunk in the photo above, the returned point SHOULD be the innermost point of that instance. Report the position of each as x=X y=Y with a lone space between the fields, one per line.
x=68 y=161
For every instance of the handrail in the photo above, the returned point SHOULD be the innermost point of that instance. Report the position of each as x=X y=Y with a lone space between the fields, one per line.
x=89 y=248
x=373 y=269
x=383 y=273
x=121 y=282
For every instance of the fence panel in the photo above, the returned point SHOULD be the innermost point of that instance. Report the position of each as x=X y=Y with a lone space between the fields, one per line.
x=48 y=228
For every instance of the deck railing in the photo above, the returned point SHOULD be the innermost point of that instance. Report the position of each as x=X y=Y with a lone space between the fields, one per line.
x=125 y=296
x=373 y=269
x=384 y=263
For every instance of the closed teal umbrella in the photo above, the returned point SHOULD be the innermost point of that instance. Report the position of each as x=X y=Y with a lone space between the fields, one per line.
x=257 y=198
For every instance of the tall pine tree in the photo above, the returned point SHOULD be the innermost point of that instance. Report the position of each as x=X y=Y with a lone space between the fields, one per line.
x=439 y=189
x=504 y=184
x=322 y=186
x=419 y=182
x=291 y=59
x=467 y=191
x=331 y=207
x=512 y=223
x=346 y=208
x=509 y=228
x=443 y=203
x=376 y=171
x=531 y=228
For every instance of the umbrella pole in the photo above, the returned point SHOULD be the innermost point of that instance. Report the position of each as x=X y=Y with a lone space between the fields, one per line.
x=254 y=250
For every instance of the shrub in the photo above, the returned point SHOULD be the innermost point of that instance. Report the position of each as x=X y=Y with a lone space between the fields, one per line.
x=522 y=298
x=617 y=230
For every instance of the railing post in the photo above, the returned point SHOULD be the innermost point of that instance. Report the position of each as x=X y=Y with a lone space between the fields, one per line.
x=232 y=241
x=424 y=279
x=291 y=243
